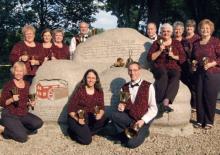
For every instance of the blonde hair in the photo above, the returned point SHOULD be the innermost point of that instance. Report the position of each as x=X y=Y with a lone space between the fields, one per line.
x=58 y=31
x=208 y=22
x=28 y=27
x=19 y=64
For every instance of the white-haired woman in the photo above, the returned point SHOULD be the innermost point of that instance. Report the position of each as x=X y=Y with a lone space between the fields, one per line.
x=18 y=123
x=28 y=51
x=166 y=54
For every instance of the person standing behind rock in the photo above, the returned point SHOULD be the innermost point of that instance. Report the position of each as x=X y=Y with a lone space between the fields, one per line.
x=79 y=38
x=151 y=31
x=47 y=44
x=206 y=52
x=59 y=50
x=29 y=52
x=86 y=109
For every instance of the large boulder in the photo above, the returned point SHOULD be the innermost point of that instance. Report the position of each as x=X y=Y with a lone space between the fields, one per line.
x=56 y=80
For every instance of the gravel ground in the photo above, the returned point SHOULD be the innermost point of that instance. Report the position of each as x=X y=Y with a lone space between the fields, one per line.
x=51 y=141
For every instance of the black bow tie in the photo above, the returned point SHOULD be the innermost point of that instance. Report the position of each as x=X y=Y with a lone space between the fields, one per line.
x=136 y=84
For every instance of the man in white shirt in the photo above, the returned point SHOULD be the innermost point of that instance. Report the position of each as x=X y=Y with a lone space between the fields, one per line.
x=152 y=31
x=139 y=110
x=79 y=38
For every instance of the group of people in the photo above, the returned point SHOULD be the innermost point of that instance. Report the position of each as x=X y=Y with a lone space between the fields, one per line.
x=193 y=59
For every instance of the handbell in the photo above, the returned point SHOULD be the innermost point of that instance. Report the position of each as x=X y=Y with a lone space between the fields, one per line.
x=194 y=65
x=205 y=60
x=14 y=91
x=97 y=109
x=132 y=131
x=124 y=96
x=81 y=114
x=129 y=60
x=160 y=42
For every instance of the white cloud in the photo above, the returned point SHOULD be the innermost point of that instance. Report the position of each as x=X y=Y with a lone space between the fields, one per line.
x=105 y=20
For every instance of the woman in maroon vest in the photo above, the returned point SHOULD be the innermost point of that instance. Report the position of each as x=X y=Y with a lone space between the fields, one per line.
x=59 y=50
x=206 y=52
x=29 y=52
x=86 y=109
x=167 y=55
x=17 y=121
x=46 y=36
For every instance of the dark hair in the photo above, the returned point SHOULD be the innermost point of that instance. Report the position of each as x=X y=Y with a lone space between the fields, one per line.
x=46 y=30
x=135 y=63
x=97 y=83
x=191 y=23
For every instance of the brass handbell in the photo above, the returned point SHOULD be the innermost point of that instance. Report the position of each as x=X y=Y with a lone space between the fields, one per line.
x=205 y=61
x=160 y=42
x=14 y=91
x=97 y=109
x=32 y=98
x=81 y=114
x=194 y=65
x=124 y=96
x=132 y=131
x=129 y=60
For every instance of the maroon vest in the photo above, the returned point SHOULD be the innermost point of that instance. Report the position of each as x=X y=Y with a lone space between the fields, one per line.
x=78 y=38
x=140 y=106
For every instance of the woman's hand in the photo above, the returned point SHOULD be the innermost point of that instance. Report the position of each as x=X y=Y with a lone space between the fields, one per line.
x=171 y=54
x=15 y=98
x=99 y=115
x=34 y=62
x=209 y=65
x=81 y=121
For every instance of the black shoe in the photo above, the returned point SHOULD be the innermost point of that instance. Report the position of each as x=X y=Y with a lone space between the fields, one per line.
x=167 y=109
x=33 y=132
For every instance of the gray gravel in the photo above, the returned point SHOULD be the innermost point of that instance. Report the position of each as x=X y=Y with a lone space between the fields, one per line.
x=51 y=141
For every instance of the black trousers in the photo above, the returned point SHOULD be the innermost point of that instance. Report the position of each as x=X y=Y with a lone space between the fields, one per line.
x=166 y=84
x=18 y=127
x=83 y=133
x=207 y=90
x=189 y=79
x=121 y=120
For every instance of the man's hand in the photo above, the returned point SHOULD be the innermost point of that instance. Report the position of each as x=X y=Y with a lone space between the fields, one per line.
x=139 y=123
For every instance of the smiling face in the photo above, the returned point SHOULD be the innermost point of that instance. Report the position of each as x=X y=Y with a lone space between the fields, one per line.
x=29 y=36
x=151 y=30
x=19 y=72
x=47 y=37
x=134 y=72
x=166 y=33
x=190 y=30
x=58 y=37
x=84 y=28
x=178 y=31
x=90 y=79
x=205 y=30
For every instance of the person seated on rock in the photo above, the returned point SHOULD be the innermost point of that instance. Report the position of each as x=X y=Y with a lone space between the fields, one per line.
x=18 y=123
x=79 y=38
x=47 y=44
x=206 y=52
x=86 y=109
x=59 y=50
x=28 y=51
x=151 y=31
x=137 y=111
x=166 y=54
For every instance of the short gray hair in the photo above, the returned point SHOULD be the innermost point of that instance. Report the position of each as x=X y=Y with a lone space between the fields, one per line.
x=178 y=23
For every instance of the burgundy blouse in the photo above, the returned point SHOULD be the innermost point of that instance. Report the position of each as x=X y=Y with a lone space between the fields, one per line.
x=60 y=53
x=163 y=60
x=21 y=108
x=21 y=48
x=211 y=50
x=81 y=100
x=188 y=44
x=47 y=52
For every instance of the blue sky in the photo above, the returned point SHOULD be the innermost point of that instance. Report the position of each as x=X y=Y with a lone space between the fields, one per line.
x=105 y=20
